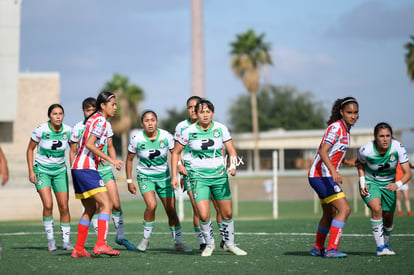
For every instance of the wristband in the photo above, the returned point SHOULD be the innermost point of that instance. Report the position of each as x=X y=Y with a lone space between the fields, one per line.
x=179 y=163
x=129 y=180
x=399 y=184
x=232 y=166
x=362 y=183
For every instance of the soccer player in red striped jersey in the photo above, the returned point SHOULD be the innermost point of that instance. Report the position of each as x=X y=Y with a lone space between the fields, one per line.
x=87 y=183
x=325 y=179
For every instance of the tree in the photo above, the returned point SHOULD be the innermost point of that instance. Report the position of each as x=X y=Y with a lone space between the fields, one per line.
x=173 y=118
x=249 y=54
x=128 y=98
x=280 y=107
x=409 y=58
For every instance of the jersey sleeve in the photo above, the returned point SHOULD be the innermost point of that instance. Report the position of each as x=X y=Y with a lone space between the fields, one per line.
x=226 y=133
x=109 y=130
x=99 y=127
x=170 y=141
x=402 y=153
x=177 y=132
x=132 y=146
x=361 y=155
x=183 y=140
x=332 y=133
x=37 y=134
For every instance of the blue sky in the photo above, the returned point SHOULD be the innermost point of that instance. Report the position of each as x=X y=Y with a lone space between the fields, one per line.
x=330 y=48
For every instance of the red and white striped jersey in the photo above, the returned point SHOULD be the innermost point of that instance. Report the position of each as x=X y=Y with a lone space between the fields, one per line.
x=338 y=136
x=98 y=126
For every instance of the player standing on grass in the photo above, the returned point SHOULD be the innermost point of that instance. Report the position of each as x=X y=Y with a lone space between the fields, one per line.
x=182 y=169
x=48 y=171
x=378 y=163
x=87 y=183
x=208 y=174
x=151 y=146
x=325 y=179
x=105 y=172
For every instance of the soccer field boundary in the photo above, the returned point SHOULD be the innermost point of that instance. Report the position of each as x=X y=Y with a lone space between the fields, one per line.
x=237 y=233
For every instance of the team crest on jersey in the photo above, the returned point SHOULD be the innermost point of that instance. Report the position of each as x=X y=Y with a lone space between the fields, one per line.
x=162 y=144
x=392 y=158
x=337 y=189
x=65 y=136
x=216 y=133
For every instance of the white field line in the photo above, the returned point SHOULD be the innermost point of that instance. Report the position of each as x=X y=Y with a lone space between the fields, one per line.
x=192 y=233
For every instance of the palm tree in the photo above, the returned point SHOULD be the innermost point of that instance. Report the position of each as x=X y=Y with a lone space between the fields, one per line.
x=249 y=54
x=409 y=58
x=128 y=98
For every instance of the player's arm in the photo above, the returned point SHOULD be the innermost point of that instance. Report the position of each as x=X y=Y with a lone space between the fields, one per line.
x=175 y=156
x=232 y=155
x=90 y=144
x=323 y=152
x=404 y=179
x=72 y=152
x=362 y=184
x=4 y=170
x=29 y=158
x=128 y=173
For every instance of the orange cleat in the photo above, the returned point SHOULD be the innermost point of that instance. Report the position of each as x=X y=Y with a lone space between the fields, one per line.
x=106 y=250
x=80 y=254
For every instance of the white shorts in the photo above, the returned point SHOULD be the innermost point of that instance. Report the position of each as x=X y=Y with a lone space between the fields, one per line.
x=404 y=187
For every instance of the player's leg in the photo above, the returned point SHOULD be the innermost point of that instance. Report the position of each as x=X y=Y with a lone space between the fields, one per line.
x=61 y=188
x=149 y=216
x=407 y=200
x=343 y=210
x=117 y=216
x=89 y=206
x=105 y=205
x=219 y=222
x=45 y=194
x=398 y=202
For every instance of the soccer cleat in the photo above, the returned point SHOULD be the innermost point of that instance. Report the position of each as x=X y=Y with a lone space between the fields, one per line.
x=208 y=250
x=106 y=250
x=67 y=246
x=409 y=213
x=181 y=247
x=236 y=251
x=202 y=247
x=334 y=253
x=143 y=245
x=317 y=252
x=223 y=245
x=385 y=250
x=51 y=245
x=128 y=245
x=399 y=213
x=80 y=254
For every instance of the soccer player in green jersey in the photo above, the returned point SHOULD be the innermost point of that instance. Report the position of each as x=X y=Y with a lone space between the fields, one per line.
x=48 y=171
x=207 y=173
x=184 y=164
x=377 y=170
x=152 y=146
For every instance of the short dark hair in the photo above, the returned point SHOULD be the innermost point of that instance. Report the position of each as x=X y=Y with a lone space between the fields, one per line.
x=88 y=102
x=203 y=102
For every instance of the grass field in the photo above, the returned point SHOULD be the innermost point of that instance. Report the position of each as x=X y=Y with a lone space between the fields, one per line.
x=274 y=246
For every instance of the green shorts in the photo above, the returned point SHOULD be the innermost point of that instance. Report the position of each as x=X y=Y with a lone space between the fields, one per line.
x=377 y=190
x=187 y=184
x=203 y=188
x=160 y=186
x=106 y=175
x=57 y=181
